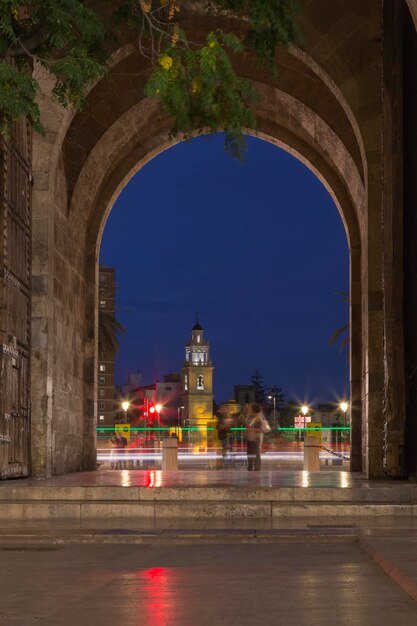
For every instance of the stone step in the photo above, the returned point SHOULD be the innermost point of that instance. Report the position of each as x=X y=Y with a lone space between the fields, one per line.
x=194 y=509
x=392 y=493
x=41 y=537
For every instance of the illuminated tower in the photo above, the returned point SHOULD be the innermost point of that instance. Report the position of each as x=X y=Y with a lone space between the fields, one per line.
x=197 y=382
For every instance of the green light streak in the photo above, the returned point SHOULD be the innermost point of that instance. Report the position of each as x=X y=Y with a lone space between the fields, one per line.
x=193 y=428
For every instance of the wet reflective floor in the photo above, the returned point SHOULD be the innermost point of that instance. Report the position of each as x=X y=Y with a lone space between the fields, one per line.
x=296 y=584
x=209 y=478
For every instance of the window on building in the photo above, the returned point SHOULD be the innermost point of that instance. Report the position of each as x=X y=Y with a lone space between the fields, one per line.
x=185 y=382
x=102 y=368
x=101 y=406
x=101 y=418
x=102 y=380
x=198 y=338
x=101 y=393
x=102 y=303
x=200 y=383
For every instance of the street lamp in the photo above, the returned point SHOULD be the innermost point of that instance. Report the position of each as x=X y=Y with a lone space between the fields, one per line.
x=125 y=407
x=274 y=399
x=304 y=411
x=344 y=406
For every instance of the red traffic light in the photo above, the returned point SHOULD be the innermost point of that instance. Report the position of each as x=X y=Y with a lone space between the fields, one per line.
x=152 y=409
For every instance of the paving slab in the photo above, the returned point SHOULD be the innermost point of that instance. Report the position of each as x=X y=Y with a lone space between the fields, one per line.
x=294 y=583
x=396 y=556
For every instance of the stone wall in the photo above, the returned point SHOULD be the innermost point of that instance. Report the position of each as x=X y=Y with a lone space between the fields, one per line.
x=58 y=339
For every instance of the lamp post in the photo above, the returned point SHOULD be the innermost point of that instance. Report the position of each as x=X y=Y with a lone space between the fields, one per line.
x=304 y=411
x=273 y=419
x=344 y=406
x=125 y=407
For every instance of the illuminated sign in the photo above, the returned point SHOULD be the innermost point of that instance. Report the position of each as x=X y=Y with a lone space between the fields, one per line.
x=300 y=421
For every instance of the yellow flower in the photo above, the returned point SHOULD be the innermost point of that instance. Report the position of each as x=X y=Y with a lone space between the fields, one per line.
x=166 y=62
x=212 y=44
x=15 y=14
x=196 y=86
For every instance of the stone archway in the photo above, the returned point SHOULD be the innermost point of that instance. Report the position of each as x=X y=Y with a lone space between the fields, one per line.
x=326 y=110
x=349 y=197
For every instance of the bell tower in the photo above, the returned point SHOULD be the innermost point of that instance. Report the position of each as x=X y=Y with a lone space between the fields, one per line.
x=197 y=382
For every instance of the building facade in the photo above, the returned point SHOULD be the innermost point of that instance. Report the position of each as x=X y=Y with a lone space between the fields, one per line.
x=106 y=398
x=244 y=394
x=197 y=384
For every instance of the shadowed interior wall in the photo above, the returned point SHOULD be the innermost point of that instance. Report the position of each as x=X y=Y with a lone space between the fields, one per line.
x=410 y=235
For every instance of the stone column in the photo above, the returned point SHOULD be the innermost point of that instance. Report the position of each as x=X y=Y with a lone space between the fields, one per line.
x=392 y=232
x=90 y=357
x=355 y=360
x=373 y=327
x=42 y=317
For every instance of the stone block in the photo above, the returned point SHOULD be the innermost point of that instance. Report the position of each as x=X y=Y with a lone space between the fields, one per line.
x=223 y=494
x=40 y=510
x=110 y=510
x=204 y=510
x=314 y=509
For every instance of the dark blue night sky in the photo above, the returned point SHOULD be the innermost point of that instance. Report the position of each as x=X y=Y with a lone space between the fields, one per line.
x=257 y=247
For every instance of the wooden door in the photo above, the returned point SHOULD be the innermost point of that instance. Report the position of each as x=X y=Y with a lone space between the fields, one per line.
x=15 y=272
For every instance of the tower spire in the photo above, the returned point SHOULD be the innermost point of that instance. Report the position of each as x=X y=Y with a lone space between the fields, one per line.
x=197 y=323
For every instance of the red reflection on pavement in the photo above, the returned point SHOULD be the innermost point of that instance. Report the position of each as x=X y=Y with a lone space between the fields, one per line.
x=159 y=603
x=155 y=572
x=153 y=478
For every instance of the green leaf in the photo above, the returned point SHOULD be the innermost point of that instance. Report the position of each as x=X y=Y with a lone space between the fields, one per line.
x=17 y=97
x=198 y=87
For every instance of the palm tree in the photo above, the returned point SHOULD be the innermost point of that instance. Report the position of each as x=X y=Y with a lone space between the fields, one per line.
x=109 y=327
x=342 y=332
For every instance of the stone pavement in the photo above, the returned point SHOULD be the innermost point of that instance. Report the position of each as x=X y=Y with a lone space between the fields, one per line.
x=323 y=568
x=296 y=584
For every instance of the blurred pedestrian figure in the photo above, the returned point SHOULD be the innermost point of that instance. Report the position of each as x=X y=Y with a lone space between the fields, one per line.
x=122 y=445
x=226 y=421
x=254 y=429
x=114 y=452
